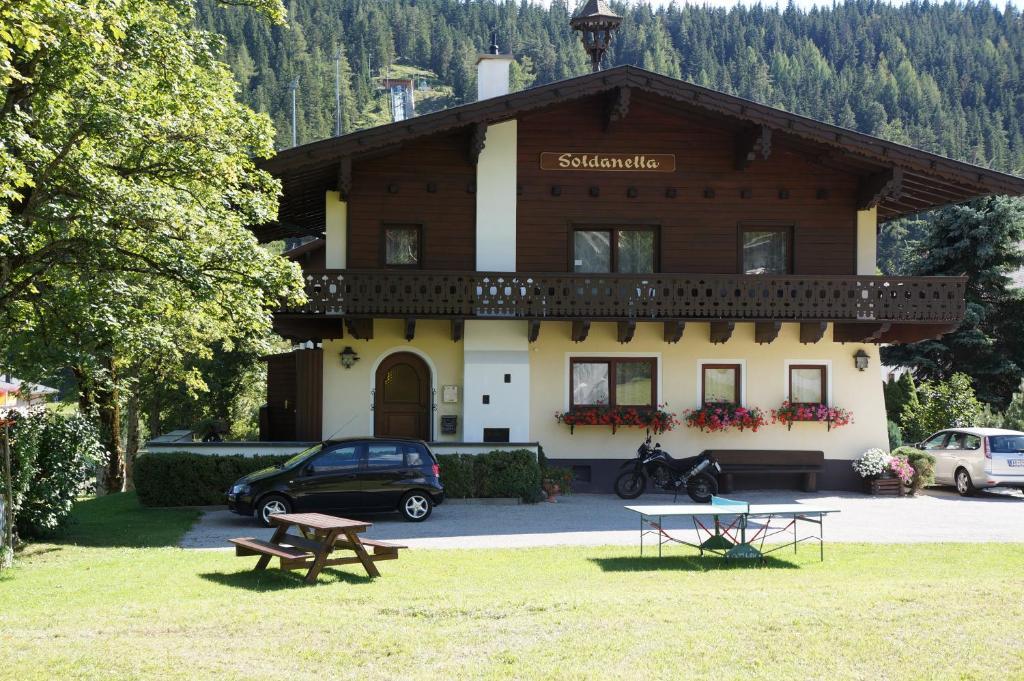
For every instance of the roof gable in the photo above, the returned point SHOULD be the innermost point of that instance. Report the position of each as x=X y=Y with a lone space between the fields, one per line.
x=900 y=179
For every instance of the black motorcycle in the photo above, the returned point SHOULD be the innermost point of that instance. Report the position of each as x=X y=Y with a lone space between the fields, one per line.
x=696 y=474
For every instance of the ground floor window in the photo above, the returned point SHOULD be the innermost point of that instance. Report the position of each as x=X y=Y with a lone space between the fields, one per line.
x=808 y=384
x=720 y=383
x=616 y=382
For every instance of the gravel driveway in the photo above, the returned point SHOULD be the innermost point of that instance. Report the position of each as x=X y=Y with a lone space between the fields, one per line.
x=591 y=519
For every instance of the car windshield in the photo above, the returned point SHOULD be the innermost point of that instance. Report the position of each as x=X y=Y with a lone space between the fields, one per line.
x=1006 y=444
x=302 y=456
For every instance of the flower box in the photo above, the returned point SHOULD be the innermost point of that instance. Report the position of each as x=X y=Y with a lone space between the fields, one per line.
x=658 y=420
x=790 y=413
x=891 y=487
x=716 y=417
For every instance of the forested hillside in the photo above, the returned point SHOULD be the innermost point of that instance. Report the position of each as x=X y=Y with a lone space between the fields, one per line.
x=947 y=78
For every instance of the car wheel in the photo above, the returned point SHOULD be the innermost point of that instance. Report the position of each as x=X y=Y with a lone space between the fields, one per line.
x=416 y=507
x=964 y=485
x=269 y=505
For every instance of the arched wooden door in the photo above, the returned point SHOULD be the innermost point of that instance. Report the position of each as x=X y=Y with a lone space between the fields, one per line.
x=402 y=397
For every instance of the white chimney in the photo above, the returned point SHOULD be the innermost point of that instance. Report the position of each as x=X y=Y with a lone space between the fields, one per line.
x=492 y=72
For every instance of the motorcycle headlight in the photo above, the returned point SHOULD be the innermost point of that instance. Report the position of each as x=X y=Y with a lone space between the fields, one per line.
x=240 y=489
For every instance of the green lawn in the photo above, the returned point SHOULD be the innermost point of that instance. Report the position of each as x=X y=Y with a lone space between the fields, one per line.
x=113 y=605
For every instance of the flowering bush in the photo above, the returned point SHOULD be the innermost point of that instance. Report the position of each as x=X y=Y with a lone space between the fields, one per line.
x=902 y=469
x=658 y=420
x=714 y=417
x=790 y=412
x=872 y=463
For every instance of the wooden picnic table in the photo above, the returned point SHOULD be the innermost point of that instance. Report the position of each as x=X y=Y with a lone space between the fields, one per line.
x=319 y=536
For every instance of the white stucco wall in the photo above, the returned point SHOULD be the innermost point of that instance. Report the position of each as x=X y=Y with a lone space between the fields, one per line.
x=492 y=351
x=348 y=392
x=496 y=200
x=492 y=75
x=867 y=241
x=336 y=231
x=765 y=386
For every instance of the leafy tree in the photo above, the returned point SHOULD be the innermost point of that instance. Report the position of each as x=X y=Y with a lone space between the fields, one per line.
x=982 y=240
x=123 y=239
x=944 y=404
x=899 y=392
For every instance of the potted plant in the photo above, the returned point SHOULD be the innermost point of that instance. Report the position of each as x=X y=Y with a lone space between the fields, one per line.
x=556 y=480
x=883 y=473
x=659 y=420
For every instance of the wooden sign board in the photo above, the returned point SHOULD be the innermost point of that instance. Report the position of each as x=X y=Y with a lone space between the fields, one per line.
x=629 y=163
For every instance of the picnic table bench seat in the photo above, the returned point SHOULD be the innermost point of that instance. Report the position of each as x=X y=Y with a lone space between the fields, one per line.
x=250 y=546
x=768 y=462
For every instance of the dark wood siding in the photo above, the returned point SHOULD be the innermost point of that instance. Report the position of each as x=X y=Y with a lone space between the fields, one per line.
x=697 y=234
x=447 y=214
x=294 y=409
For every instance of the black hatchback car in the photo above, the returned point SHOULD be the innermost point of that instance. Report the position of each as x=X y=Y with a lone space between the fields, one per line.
x=357 y=474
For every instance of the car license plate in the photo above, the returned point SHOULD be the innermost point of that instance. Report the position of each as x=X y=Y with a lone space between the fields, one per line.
x=1015 y=463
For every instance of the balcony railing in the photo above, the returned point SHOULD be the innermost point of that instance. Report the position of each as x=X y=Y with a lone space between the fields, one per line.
x=518 y=295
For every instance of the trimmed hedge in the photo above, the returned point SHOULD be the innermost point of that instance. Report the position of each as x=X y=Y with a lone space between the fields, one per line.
x=513 y=473
x=186 y=479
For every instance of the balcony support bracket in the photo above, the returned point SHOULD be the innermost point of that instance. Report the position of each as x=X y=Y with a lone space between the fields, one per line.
x=533 y=332
x=812 y=332
x=580 y=330
x=458 y=328
x=721 y=331
x=626 y=330
x=859 y=332
x=673 y=330
x=766 y=332
x=359 y=327
x=751 y=143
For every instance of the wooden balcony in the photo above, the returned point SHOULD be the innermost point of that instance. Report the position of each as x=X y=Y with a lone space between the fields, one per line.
x=889 y=305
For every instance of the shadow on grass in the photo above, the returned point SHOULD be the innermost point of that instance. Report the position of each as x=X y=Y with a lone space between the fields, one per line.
x=275 y=580
x=686 y=563
x=119 y=520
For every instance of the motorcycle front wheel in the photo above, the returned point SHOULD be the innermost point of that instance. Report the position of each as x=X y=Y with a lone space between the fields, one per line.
x=701 y=488
x=630 y=484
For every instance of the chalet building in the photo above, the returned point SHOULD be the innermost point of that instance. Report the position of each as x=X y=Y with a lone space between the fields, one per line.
x=621 y=240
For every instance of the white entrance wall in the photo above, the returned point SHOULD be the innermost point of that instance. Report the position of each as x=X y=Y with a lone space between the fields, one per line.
x=335 y=231
x=496 y=368
x=348 y=393
x=496 y=200
x=857 y=391
x=867 y=241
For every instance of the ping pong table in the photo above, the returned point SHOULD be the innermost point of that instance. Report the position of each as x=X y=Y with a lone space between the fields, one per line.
x=737 y=529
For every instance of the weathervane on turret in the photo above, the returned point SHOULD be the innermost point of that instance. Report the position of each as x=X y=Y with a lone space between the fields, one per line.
x=596 y=22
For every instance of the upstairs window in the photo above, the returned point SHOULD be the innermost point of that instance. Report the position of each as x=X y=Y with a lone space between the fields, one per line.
x=720 y=383
x=766 y=250
x=808 y=384
x=627 y=250
x=614 y=382
x=401 y=246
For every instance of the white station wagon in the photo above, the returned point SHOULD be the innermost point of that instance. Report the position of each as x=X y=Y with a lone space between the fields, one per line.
x=974 y=458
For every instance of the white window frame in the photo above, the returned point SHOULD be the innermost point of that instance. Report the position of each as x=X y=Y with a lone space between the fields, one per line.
x=700 y=378
x=827 y=363
x=567 y=371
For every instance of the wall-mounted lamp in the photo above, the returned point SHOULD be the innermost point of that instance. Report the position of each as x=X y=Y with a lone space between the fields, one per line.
x=860 y=359
x=348 y=357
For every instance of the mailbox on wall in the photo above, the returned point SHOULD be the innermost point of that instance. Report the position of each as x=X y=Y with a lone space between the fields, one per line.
x=449 y=425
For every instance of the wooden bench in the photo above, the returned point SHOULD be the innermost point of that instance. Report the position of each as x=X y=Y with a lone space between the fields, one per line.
x=382 y=550
x=250 y=546
x=768 y=462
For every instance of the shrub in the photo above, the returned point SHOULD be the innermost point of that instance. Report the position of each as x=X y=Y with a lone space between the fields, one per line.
x=498 y=473
x=923 y=464
x=186 y=479
x=514 y=473
x=895 y=435
x=457 y=475
x=53 y=456
x=947 y=404
x=563 y=477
